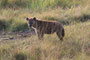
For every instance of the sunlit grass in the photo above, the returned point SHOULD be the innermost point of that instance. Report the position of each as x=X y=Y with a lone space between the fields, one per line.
x=76 y=20
x=40 y=4
x=75 y=45
x=15 y=18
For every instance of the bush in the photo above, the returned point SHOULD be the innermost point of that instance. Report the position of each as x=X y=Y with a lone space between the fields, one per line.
x=4 y=25
x=13 y=25
x=20 y=56
x=18 y=27
x=4 y=3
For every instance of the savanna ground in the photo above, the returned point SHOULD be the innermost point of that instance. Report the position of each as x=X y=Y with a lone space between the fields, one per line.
x=18 y=42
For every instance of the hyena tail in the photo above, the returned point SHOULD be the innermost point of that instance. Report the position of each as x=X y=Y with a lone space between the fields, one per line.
x=63 y=32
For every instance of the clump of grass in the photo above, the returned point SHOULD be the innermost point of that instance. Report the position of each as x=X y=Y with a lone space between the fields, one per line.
x=5 y=51
x=83 y=18
x=13 y=25
x=20 y=56
x=35 y=54
x=3 y=3
x=12 y=4
x=4 y=25
x=64 y=3
x=18 y=26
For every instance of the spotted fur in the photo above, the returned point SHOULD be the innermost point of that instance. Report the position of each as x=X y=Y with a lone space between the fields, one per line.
x=46 y=27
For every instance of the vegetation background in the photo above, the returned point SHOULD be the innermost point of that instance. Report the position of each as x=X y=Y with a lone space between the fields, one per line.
x=73 y=14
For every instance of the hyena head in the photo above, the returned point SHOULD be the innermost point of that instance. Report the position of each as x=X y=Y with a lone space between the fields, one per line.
x=31 y=21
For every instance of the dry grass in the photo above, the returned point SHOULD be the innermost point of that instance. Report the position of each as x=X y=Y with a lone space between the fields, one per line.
x=76 y=46
x=14 y=20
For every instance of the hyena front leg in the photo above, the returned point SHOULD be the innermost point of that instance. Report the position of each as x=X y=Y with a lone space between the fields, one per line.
x=40 y=35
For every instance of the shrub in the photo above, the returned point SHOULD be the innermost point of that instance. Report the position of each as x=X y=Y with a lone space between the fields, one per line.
x=4 y=3
x=18 y=26
x=20 y=56
x=4 y=25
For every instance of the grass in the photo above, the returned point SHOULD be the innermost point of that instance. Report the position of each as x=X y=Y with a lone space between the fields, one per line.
x=14 y=20
x=76 y=46
x=38 y=4
x=74 y=15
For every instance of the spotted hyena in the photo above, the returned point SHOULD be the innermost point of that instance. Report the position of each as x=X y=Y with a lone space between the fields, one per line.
x=46 y=27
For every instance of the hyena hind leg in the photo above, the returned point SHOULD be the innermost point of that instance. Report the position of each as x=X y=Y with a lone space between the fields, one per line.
x=59 y=35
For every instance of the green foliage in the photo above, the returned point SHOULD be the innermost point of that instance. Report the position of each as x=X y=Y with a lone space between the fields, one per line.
x=4 y=3
x=4 y=25
x=64 y=3
x=38 y=4
x=13 y=25
x=17 y=26
x=20 y=56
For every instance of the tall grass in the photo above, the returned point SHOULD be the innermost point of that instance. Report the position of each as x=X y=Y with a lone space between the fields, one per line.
x=72 y=13
x=76 y=46
x=13 y=19
x=38 y=4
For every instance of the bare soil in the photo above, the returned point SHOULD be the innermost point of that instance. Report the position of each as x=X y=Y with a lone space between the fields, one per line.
x=15 y=35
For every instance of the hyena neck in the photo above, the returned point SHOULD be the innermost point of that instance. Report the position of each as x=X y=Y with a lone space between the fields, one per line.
x=36 y=25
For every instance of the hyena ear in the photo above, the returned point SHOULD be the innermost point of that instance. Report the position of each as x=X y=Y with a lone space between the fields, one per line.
x=27 y=18
x=34 y=18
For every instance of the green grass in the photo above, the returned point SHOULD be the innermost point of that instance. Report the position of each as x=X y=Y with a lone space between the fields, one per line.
x=76 y=46
x=39 y=4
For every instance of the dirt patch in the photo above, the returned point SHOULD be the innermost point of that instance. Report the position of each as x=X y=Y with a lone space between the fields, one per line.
x=15 y=35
